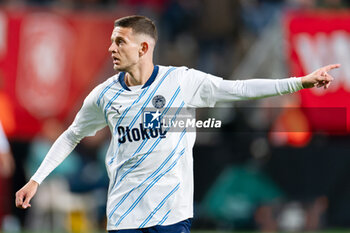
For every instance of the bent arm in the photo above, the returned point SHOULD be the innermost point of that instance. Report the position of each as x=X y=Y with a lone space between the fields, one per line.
x=86 y=123
x=62 y=147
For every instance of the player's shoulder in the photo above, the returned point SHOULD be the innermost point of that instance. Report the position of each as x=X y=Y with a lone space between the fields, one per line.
x=174 y=70
x=107 y=84
x=101 y=88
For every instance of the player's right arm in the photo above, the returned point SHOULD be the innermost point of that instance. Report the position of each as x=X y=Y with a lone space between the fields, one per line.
x=87 y=122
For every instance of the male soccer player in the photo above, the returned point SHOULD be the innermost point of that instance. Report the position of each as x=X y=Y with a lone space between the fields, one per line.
x=151 y=171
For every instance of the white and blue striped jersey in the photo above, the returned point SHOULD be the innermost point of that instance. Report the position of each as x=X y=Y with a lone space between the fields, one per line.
x=151 y=172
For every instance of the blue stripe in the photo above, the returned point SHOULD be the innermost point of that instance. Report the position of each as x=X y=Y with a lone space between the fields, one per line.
x=120 y=120
x=170 y=103
x=131 y=124
x=143 y=143
x=176 y=113
x=149 y=177
x=150 y=97
x=137 y=150
x=141 y=146
x=111 y=101
x=148 y=188
x=104 y=91
x=128 y=108
x=142 y=109
x=140 y=160
x=178 y=110
x=160 y=205
x=164 y=218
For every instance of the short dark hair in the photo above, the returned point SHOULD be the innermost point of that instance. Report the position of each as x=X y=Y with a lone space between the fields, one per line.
x=139 y=24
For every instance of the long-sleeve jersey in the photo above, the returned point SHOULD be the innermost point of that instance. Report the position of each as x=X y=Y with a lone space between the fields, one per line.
x=151 y=172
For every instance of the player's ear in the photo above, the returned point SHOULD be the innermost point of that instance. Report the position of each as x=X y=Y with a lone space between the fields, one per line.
x=143 y=49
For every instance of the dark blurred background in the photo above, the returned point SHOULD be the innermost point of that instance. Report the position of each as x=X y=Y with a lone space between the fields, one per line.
x=264 y=170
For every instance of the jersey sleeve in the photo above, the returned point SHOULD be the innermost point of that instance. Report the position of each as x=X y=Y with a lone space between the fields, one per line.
x=197 y=87
x=86 y=123
x=204 y=90
x=90 y=118
x=61 y=148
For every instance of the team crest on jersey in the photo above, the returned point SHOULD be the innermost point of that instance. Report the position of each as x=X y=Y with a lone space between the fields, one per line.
x=158 y=101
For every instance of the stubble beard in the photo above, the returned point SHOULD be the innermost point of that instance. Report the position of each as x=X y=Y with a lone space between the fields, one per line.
x=119 y=69
x=124 y=68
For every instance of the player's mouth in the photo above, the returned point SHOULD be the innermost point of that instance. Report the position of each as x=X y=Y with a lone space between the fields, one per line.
x=115 y=60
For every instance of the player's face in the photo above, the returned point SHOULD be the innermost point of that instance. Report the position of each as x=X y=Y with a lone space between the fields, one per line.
x=124 y=48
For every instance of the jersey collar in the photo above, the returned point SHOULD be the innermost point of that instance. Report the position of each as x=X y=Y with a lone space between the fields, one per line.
x=148 y=83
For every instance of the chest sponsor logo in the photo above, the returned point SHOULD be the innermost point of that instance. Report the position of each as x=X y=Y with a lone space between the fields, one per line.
x=151 y=127
x=139 y=133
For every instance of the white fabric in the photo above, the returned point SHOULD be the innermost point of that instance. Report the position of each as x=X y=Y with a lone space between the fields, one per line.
x=135 y=88
x=4 y=144
x=151 y=179
x=62 y=147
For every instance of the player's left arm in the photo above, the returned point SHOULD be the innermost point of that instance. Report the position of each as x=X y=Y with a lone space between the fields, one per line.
x=261 y=88
x=205 y=90
x=228 y=90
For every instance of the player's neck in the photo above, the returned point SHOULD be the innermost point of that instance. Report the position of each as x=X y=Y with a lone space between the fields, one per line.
x=139 y=75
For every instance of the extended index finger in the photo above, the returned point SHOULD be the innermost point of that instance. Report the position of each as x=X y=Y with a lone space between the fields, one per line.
x=331 y=67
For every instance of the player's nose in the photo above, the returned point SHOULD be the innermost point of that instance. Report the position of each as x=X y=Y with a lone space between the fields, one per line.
x=112 y=48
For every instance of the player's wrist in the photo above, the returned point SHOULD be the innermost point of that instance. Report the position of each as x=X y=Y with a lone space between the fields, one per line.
x=33 y=182
x=305 y=82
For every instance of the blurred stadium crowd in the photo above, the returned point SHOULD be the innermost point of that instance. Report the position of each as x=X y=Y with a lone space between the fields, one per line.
x=246 y=176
